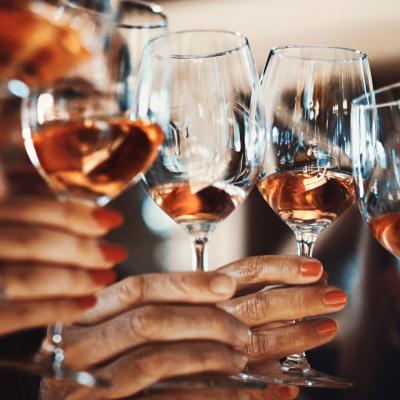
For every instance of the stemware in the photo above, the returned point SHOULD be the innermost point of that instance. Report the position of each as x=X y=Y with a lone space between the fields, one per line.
x=81 y=135
x=306 y=177
x=215 y=141
x=375 y=130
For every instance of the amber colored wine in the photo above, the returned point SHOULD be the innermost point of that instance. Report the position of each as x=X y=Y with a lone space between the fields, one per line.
x=187 y=203
x=301 y=198
x=386 y=229
x=96 y=158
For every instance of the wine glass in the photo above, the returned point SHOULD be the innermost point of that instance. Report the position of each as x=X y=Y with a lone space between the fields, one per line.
x=306 y=177
x=375 y=130
x=137 y=23
x=215 y=141
x=80 y=133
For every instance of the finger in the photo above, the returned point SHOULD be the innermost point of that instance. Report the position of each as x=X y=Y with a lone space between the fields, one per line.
x=76 y=218
x=151 y=364
x=256 y=272
x=33 y=314
x=24 y=281
x=286 y=304
x=85 y=347
x=44 y=245
x=284 y=341
x=272 y=392
x=179 y=287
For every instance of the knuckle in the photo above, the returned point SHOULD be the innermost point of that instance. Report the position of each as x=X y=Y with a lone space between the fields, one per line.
x=260 y=345
x=148 y=323
x=131 y=290
x=257 y=307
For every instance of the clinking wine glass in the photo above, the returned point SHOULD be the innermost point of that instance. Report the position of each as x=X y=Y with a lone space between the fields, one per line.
x=83 y=138
x=215 y=141
x=306 y=177
x=375 y=130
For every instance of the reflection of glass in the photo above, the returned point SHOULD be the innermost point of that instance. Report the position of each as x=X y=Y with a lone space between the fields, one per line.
x=375 y=129
x=215 y=142
x=86 y=145
x=306 y=176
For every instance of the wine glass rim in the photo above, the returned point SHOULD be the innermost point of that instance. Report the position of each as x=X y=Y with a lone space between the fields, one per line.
x=356 y=101
x=154 y=8
x=106 y=15
x=202 y=56
x=363 y=56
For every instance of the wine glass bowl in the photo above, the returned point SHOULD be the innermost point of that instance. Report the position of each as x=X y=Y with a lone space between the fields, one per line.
x=375 y=129
x=306 y=177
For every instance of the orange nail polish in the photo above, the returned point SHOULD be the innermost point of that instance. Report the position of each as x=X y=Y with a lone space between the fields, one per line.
x=336 y=298
x=112 y=253
x=311 y=269
x=284 y=391
x=327 y=328
x=325 y=275
x=103 y=277
x=108 y=219
x=84 y=303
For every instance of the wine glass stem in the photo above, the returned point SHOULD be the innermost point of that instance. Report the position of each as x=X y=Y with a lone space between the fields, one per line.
x=305 y=246
x=199 y=252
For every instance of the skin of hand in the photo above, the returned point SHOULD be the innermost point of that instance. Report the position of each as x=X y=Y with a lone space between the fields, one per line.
x=51 y=262
x=141 y=326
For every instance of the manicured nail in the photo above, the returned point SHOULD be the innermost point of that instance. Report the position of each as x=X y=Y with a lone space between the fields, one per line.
x=336 y=298
x=327 y=328
x=243 y=333
x=84 y=303
x=311 y=269
x=240 y=360
x=222 y=284
x=112 y=253
x=284 y=391
x=108 y=219
x=103 y=277
x=325 y=275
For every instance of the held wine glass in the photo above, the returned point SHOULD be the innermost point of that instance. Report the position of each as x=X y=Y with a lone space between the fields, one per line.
x=375 y=130
x=83 y=139
x=215 y=142
x=306 y=177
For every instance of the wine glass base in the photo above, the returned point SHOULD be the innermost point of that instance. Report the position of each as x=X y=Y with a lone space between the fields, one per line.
x=207 y=381
x=45 y=364
x=297 y=377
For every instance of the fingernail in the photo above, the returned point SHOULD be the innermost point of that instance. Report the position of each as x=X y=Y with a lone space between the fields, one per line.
x=103 y=277
x=336 y=298
x=325 y=275
x=108 y=219
x=240 y=360
x=327 y=328
x=284 y=391
x=311 y=269
x=222 y=284
x=84 y=303
x=112 y=253
x=243 y=333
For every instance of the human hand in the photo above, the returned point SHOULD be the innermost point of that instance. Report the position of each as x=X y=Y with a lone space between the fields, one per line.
x=270 y=313
x=50 y=261
x=153 y=327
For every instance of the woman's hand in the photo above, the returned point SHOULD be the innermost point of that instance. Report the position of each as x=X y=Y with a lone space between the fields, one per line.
x=270 y=313
x=153 y=327
x=50 y=261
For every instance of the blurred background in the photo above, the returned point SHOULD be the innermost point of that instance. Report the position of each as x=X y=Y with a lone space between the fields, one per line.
x=367 y=347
